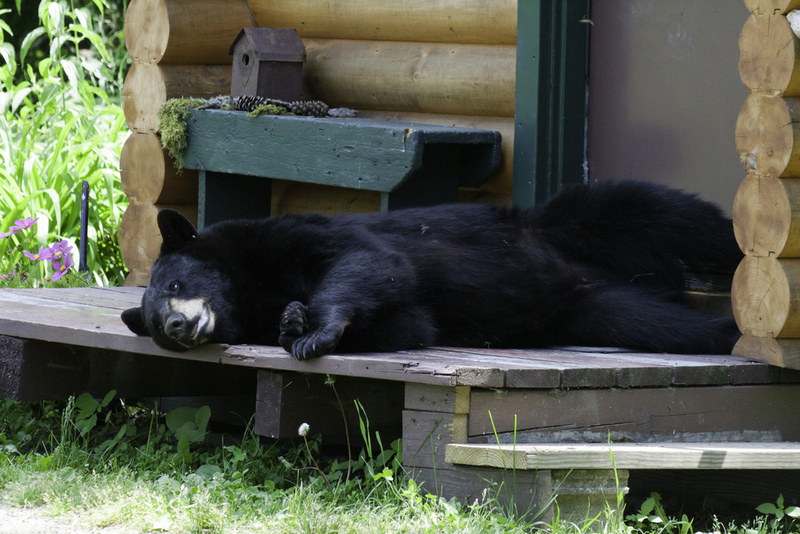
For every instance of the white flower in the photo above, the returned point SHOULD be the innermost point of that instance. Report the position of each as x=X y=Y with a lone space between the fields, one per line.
x=303 y=430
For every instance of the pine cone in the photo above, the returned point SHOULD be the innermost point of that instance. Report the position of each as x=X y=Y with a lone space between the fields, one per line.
x=313 y=108
x=247 y=102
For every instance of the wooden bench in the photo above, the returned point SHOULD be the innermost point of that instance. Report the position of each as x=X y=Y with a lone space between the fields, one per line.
x=54 y=343
x=409 y=164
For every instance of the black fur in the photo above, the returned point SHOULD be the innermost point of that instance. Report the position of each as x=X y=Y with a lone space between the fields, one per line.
x=599 y=265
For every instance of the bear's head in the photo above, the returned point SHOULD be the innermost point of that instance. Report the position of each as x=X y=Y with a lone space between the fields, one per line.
x=187 y=300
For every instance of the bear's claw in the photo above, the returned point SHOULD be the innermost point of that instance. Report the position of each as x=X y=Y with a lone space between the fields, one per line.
x=294 y=323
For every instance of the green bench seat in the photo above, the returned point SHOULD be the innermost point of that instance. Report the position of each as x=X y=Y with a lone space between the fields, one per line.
x=409 y=164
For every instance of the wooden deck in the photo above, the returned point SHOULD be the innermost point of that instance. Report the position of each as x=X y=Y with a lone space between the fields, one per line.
x=90 y=318
x=55 y=343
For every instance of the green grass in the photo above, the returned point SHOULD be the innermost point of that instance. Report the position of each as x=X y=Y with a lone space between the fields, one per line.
x=109 y=463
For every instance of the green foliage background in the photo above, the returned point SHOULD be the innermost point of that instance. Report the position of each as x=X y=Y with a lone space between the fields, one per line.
x=61 y=123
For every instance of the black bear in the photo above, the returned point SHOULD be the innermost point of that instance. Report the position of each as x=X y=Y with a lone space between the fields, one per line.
x=597 y=265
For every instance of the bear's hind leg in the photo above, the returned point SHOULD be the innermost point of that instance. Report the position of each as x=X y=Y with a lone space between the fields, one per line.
x=642 y=319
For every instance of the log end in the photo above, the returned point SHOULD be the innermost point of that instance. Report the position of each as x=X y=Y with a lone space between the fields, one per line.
x=146 y=30
x=762 y=216
x=765 y=137
x=768 y=53
x=761 y=297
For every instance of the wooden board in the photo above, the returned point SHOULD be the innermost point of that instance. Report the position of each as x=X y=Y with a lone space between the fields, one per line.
x=629 y=456
x=32 y=370
x=354 y=153
x=90 y=317
x=699 y=414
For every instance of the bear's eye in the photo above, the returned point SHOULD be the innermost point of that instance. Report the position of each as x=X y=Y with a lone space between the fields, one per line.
x=173 y=286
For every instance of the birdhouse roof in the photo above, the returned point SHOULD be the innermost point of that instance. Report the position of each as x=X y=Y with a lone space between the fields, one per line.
x=273 y=44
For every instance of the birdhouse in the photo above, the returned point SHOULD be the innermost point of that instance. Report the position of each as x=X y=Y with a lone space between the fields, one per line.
x=268 y=62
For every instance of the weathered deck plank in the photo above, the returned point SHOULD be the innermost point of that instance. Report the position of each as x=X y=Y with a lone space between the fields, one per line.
x=90 y=317
x=629 y=456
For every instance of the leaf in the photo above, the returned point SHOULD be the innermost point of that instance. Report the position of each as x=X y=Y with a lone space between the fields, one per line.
x=793 y=511
x=86 y=404
x=28 y=41
x=72 y=72
x=207 y=471
x=109 y=396
x=767 y=508
x=647 y=506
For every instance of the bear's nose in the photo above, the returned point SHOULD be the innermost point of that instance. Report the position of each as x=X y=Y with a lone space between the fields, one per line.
x=174 y=325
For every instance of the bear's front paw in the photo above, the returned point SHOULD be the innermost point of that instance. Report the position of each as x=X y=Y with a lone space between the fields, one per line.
x=317 y=343
x=294 y=323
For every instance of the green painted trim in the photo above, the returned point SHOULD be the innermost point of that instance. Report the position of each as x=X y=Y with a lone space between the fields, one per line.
x=550 y=122
x=354 y=153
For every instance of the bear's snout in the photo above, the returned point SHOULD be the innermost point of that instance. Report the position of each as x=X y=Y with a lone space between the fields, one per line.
x=175 y=325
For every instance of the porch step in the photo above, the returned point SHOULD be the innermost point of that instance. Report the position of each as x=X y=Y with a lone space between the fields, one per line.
x=630 y=456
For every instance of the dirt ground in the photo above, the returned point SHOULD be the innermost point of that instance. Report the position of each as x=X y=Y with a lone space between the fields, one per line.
x=17 y=520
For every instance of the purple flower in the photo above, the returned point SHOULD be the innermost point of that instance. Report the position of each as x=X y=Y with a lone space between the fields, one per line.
x=24 y=224
x=43 y=254
x=59 y=250
x=61 y=268
x=8 y=276
x=11 y=231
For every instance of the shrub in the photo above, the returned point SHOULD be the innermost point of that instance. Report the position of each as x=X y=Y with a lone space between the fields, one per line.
x=61 y=124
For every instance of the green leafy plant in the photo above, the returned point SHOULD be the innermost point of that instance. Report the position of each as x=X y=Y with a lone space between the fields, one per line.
x=60 y=124
x=652 y=517
x=778 y=513
x=189 y=426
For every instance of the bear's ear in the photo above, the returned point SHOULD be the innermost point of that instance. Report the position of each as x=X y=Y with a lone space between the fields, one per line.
x=132 y=317
x=176 y=230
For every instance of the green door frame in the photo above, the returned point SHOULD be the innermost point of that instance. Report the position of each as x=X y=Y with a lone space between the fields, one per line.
x=551 y=82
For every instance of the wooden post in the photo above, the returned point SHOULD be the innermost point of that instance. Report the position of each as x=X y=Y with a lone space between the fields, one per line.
x=285 y=400
x=550 y=110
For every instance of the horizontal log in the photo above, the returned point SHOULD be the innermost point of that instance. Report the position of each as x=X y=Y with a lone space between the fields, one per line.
x=140 y=238
x=299 y=197
x=442 y=21
x=768 y=135
x=772 y=7
x=415 y=77
x=780 y=352
x=184 y=31
x=766 y=216
x=148 y=86
x=502 y=180
x=766 y=297
x=148 y=173
x=180 y=32
x=769 y=56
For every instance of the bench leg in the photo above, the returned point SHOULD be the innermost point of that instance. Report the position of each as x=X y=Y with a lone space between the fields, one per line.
x=224 y=196
x=285 y=400
x=435 y=182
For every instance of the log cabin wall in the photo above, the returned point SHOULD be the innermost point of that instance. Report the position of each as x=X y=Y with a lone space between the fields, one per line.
x=447 y=62
x=766 y=287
